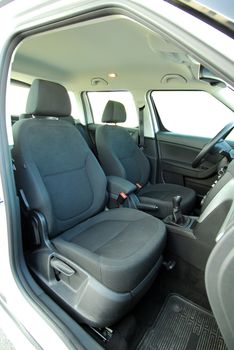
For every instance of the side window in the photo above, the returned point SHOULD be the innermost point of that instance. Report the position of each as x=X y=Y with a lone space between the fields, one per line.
x=18 y=94
x=16 y=99
x=98 y=101
x=195 y=113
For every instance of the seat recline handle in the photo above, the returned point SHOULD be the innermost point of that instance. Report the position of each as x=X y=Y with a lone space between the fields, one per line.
x=62 y=267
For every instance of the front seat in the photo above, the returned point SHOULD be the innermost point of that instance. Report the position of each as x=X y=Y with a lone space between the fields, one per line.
x=97 y=262
x=120 y=156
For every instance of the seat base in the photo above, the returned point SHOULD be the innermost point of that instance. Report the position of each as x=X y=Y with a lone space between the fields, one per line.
x=81 y=294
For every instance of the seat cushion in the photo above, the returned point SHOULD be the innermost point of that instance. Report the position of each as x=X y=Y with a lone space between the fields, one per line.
x=163 y=193
x=118 y=247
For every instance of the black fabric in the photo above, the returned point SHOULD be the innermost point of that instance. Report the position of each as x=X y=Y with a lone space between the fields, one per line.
x=58 y=172
x=114 y=112
x=120 y=156
x=82 y=128
x=141 y=127
x=62 y=179
x=163 y=193
x=84 y=132
x=119 y=247
x=48 y=99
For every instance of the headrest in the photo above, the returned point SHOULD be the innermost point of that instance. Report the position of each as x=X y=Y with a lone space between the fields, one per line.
x=48 y=99
x=114 y=112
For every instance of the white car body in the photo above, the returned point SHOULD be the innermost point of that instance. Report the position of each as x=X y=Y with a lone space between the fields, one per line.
x=34 y=329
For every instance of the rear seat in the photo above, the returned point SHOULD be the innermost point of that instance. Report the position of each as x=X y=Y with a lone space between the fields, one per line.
x=14 y=119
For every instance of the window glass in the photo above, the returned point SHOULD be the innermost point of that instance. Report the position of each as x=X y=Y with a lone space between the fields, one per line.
x=98 y=101
x=18 y=95
x=192 y=112
x=74 y=106
x=16 y=99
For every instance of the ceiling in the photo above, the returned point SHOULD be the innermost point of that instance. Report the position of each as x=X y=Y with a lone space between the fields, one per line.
x=75 y=55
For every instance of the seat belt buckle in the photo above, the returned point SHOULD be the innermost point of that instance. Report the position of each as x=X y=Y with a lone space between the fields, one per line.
x=121 y=198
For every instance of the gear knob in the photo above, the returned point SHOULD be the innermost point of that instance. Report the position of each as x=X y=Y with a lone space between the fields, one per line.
x=176 y=211
x=176 y=201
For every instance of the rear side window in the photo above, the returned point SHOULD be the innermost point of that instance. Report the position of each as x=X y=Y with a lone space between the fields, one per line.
x=98 y=101
x=195 y=113
x=18 y=94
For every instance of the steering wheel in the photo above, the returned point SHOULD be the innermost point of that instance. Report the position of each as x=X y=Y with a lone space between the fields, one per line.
x=221 y=135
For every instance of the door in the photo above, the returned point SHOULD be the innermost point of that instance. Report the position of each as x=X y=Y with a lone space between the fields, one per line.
x=187 y=121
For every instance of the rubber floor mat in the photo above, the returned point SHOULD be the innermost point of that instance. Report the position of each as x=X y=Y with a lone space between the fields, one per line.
x=182 y=325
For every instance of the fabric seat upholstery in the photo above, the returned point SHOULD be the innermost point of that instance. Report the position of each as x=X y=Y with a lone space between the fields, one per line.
x=82 y=128
x=113 y=249
x=116 y=253
x=120 y=156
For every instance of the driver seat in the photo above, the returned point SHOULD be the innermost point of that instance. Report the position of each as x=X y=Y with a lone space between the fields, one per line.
x=120 y=156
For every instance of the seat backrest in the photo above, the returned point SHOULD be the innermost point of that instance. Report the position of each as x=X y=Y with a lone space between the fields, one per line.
x=117 y=151
x=82 y=128
x=56 y=169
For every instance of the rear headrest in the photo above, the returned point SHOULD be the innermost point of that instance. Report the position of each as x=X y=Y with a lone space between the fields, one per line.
x=114 y=112
x=48 y=99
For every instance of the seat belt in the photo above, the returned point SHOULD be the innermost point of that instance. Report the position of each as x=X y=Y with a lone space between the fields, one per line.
x=141 y=128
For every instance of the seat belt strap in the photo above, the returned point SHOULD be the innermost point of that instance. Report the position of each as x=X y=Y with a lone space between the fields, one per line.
x=141 y=127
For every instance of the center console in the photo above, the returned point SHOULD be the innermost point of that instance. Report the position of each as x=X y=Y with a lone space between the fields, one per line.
x=193 y=238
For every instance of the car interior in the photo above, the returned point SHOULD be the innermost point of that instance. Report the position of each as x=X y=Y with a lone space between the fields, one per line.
x=125 y=188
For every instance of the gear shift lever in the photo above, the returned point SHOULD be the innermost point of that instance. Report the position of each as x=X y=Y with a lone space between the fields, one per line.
x=177 y=216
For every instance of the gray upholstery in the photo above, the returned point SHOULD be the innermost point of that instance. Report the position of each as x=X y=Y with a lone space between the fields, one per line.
x=82 y=128
x=60 y=174
x=120 y=156
x=25 y=116
x=114 y=112
x=48 y=99
x=119 y=249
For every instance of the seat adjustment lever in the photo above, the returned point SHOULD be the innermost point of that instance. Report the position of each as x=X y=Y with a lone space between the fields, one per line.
x=62 y=267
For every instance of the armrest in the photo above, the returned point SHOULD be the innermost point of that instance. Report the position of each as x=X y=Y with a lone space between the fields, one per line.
x=147 y=204
x=116 y=184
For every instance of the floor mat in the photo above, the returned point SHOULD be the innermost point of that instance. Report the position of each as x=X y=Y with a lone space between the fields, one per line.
x=182 y=325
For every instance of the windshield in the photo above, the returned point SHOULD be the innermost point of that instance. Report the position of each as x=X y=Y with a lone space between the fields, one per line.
x=225 y=7
x=217 y=13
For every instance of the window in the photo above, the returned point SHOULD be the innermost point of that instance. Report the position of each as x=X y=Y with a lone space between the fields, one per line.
x=192 y=112
x=16 y=99
x=18 y=94
x=98 y=101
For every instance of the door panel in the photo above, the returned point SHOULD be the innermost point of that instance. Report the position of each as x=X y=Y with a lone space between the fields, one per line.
x=176 y=154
